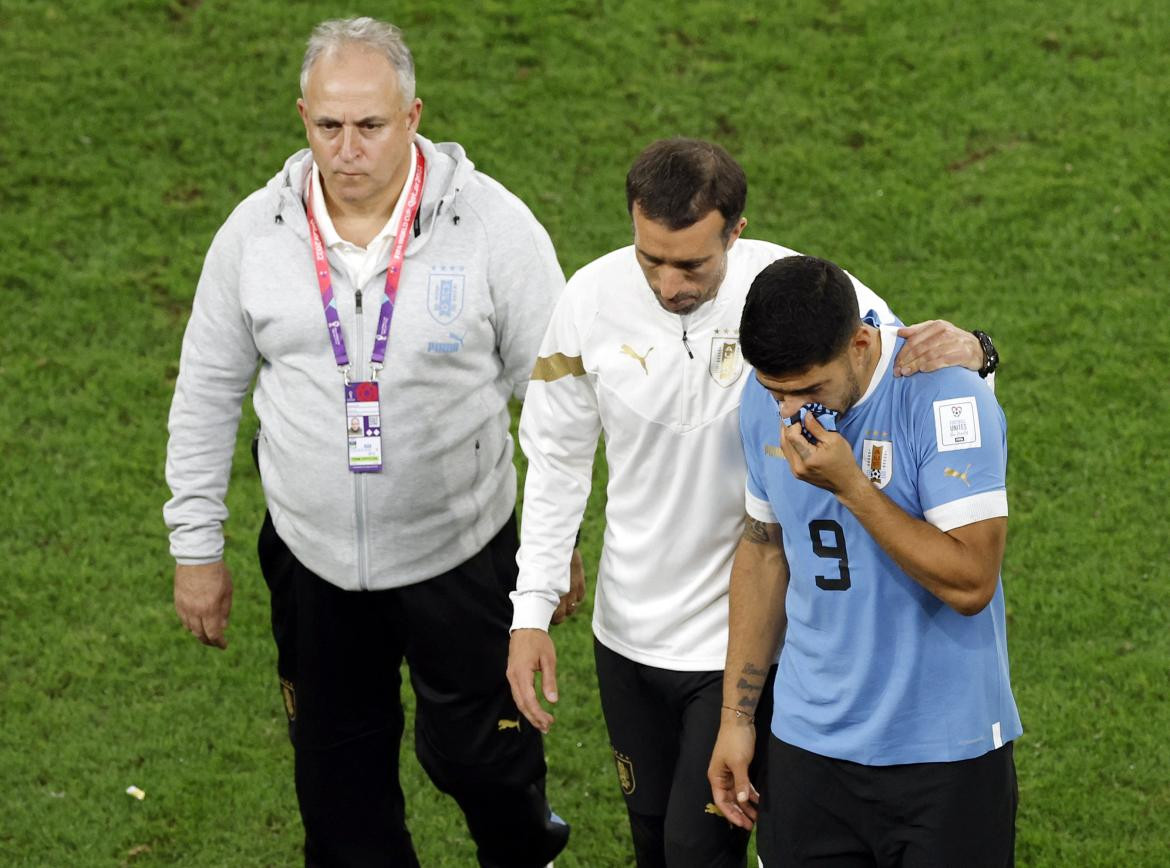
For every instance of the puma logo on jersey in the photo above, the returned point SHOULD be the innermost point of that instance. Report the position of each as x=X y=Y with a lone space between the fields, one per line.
x=632 y=353
x=947 y=471
x=508 y=724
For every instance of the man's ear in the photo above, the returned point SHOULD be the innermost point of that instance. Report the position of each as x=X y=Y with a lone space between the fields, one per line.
x=863 y=339
x=735 y=233
x=414 y=115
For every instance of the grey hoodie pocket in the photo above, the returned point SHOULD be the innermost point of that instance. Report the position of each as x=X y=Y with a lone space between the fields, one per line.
x=487 y=446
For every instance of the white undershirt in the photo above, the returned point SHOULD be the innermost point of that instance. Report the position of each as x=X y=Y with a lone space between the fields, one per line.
x=359 y=263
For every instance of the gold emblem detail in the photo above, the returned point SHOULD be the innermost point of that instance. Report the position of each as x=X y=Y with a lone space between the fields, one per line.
x=725 y=363
x=712 y=809
x=625 y=770
x=957 y=474
x=641 y=359
x=877 y=461
x=774 y=451
x=508 y=724
x=290 y=698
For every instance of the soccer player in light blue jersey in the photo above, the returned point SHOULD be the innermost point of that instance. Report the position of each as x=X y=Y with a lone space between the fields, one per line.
x=872 y=552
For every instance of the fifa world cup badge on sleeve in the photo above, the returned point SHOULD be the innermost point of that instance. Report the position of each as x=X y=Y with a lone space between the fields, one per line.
x=956 y=424
x=363 y=427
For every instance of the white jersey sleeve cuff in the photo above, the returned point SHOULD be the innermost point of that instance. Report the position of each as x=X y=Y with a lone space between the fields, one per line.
x=758 y=509
x=199 y=562
x=531 y=611
x=968 y=510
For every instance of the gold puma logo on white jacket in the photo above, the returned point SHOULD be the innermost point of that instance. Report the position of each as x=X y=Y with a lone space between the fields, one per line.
x=633 y=354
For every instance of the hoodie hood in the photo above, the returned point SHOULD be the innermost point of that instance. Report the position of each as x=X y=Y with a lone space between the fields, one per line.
x=448 y=171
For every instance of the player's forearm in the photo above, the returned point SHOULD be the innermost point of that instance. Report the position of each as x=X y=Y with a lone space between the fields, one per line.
x=759 y=581
x=961 y=567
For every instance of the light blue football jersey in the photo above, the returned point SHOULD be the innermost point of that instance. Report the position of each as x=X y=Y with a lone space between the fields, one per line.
x=875 y=669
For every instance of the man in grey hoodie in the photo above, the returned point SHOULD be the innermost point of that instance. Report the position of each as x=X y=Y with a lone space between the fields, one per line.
x=384 y=454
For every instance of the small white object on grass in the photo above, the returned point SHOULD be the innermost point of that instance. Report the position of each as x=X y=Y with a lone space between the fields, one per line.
x=135 y=792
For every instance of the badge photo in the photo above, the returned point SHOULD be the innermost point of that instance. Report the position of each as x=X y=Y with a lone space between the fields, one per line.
x=363 y=427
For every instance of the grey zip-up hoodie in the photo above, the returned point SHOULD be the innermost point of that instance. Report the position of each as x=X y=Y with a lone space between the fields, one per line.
x=478 y=285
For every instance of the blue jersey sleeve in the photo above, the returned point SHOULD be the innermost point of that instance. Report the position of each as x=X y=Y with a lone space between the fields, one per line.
x=754 y=421
x=961 y=441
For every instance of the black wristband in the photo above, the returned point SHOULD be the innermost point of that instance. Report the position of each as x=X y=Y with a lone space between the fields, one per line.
x=990 y=354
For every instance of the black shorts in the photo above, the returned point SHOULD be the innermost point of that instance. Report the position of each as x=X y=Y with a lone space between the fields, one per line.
x=662 y=725
x=823 y=811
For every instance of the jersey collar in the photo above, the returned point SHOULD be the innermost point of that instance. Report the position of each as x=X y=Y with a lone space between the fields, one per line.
x=888 y=335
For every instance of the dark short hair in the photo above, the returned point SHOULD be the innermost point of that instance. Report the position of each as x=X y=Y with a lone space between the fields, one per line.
x=679 y=181
x=800 y=312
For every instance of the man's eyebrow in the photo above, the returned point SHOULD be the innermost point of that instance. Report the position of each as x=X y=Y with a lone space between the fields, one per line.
x=372 y=119
x=805 y=390
x=677 y=263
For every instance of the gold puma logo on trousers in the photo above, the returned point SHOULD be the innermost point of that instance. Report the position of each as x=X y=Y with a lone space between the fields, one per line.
x=633 y=354
x=508 y=724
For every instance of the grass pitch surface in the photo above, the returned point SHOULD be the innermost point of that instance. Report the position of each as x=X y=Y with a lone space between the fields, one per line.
x=1000 y=164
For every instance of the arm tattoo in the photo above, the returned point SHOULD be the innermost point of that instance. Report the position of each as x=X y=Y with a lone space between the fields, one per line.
x=751 y=684
x=744 y=684
x=756 y=531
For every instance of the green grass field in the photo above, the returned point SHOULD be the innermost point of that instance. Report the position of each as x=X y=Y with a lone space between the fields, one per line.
x=1001 y=164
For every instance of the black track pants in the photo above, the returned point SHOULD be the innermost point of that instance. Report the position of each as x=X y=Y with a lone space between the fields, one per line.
x=339 y=654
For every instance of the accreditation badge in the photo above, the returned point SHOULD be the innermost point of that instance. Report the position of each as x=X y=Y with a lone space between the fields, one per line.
x=363 y=425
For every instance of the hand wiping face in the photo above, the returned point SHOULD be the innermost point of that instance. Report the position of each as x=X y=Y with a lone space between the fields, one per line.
x=826 y=417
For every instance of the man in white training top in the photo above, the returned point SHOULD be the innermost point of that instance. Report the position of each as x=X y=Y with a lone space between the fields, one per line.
x=644 y=347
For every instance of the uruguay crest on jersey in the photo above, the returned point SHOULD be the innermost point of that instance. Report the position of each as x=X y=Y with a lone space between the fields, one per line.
x=445 y=296
x=726 y=362
x=877 y=461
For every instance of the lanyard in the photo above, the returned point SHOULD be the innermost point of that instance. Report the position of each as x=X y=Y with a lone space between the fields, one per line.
x=393 y=274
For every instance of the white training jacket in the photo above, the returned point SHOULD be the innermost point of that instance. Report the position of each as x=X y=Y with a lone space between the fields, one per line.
x=614 y=361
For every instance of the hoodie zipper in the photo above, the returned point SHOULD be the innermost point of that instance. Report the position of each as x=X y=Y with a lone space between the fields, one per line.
x=359 y=496
x=359 y=479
